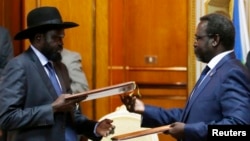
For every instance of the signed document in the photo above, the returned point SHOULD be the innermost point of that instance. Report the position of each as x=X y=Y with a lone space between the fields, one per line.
x=140 y=133
x=121 y=88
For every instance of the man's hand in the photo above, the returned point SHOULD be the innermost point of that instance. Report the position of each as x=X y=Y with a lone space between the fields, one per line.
x=105 y=128
x=63 y=105
x=132 y=103
x=176 y=130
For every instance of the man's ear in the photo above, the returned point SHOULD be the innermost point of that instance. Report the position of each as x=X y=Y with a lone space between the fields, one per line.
x=216 y=40
x=38 y=37
x=214 y=43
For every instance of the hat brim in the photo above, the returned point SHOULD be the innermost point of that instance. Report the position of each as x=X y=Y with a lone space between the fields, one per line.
x=29 y=31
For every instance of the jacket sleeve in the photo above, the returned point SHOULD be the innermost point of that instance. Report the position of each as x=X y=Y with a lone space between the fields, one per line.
x=13 y=112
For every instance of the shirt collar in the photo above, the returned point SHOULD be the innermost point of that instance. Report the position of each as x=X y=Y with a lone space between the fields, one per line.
x=40 y=56
x=212 y=63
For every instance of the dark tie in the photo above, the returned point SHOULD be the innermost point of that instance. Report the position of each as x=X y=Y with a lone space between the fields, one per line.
x=70 y=135
x=203 y=74
x=53 y=79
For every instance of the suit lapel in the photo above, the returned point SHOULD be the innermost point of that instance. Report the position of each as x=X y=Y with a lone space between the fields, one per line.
x=40 y=71
x=63 y=75
x=60 y=75
x=198 y=90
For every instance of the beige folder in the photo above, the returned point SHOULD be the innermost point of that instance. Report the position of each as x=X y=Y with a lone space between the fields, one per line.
x=140 y=133
x=121 y=88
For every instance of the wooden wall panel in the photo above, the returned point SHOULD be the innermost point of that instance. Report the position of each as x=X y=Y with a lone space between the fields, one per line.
x=154 y=47
x=163 y=90
x=151 y=50
x=1 y=12
x=116 y=49
x=158 y=77
x=10 y=18
x=157 y=29
x=102 y=55
x=27 y=7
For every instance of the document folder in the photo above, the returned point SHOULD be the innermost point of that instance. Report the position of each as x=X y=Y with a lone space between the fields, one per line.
x=121 y=88
x=140 y=133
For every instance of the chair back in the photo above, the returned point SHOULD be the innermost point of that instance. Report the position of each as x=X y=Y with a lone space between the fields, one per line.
x=126 y=122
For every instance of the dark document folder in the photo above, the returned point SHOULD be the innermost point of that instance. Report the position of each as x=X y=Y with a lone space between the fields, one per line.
x=127 y=87
x=140 y=133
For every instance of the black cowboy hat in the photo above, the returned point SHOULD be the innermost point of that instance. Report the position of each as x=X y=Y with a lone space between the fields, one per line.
x=43 y=18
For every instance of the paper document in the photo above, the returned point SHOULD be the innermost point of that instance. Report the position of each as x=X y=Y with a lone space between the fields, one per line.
x=106 y=91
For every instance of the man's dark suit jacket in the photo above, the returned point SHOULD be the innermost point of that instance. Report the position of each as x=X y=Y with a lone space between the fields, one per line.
x=248 y=60
x=222 y=98
x=26 y=95
x=6 y=48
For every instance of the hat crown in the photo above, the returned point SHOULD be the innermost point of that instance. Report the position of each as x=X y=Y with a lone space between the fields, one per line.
x=43 y=18
x=44 y=15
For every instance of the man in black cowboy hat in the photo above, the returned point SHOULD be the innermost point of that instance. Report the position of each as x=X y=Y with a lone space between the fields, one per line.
x=34 y=86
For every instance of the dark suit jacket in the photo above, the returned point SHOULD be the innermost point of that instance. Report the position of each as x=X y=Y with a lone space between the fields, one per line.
x=26 y=94
x=248 y=60
x=222 y=98
x=6 y=48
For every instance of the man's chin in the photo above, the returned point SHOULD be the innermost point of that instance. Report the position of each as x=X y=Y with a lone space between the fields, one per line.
x=56 y=57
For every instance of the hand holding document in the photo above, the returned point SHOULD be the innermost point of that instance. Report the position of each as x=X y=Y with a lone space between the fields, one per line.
x=140 y=133
x=127 y=87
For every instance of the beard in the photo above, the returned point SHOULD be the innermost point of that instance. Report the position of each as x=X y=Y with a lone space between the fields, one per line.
x=52 y=53
x=55 y=57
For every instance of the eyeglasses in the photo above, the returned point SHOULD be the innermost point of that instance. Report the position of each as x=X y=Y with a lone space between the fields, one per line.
x=199 y=37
